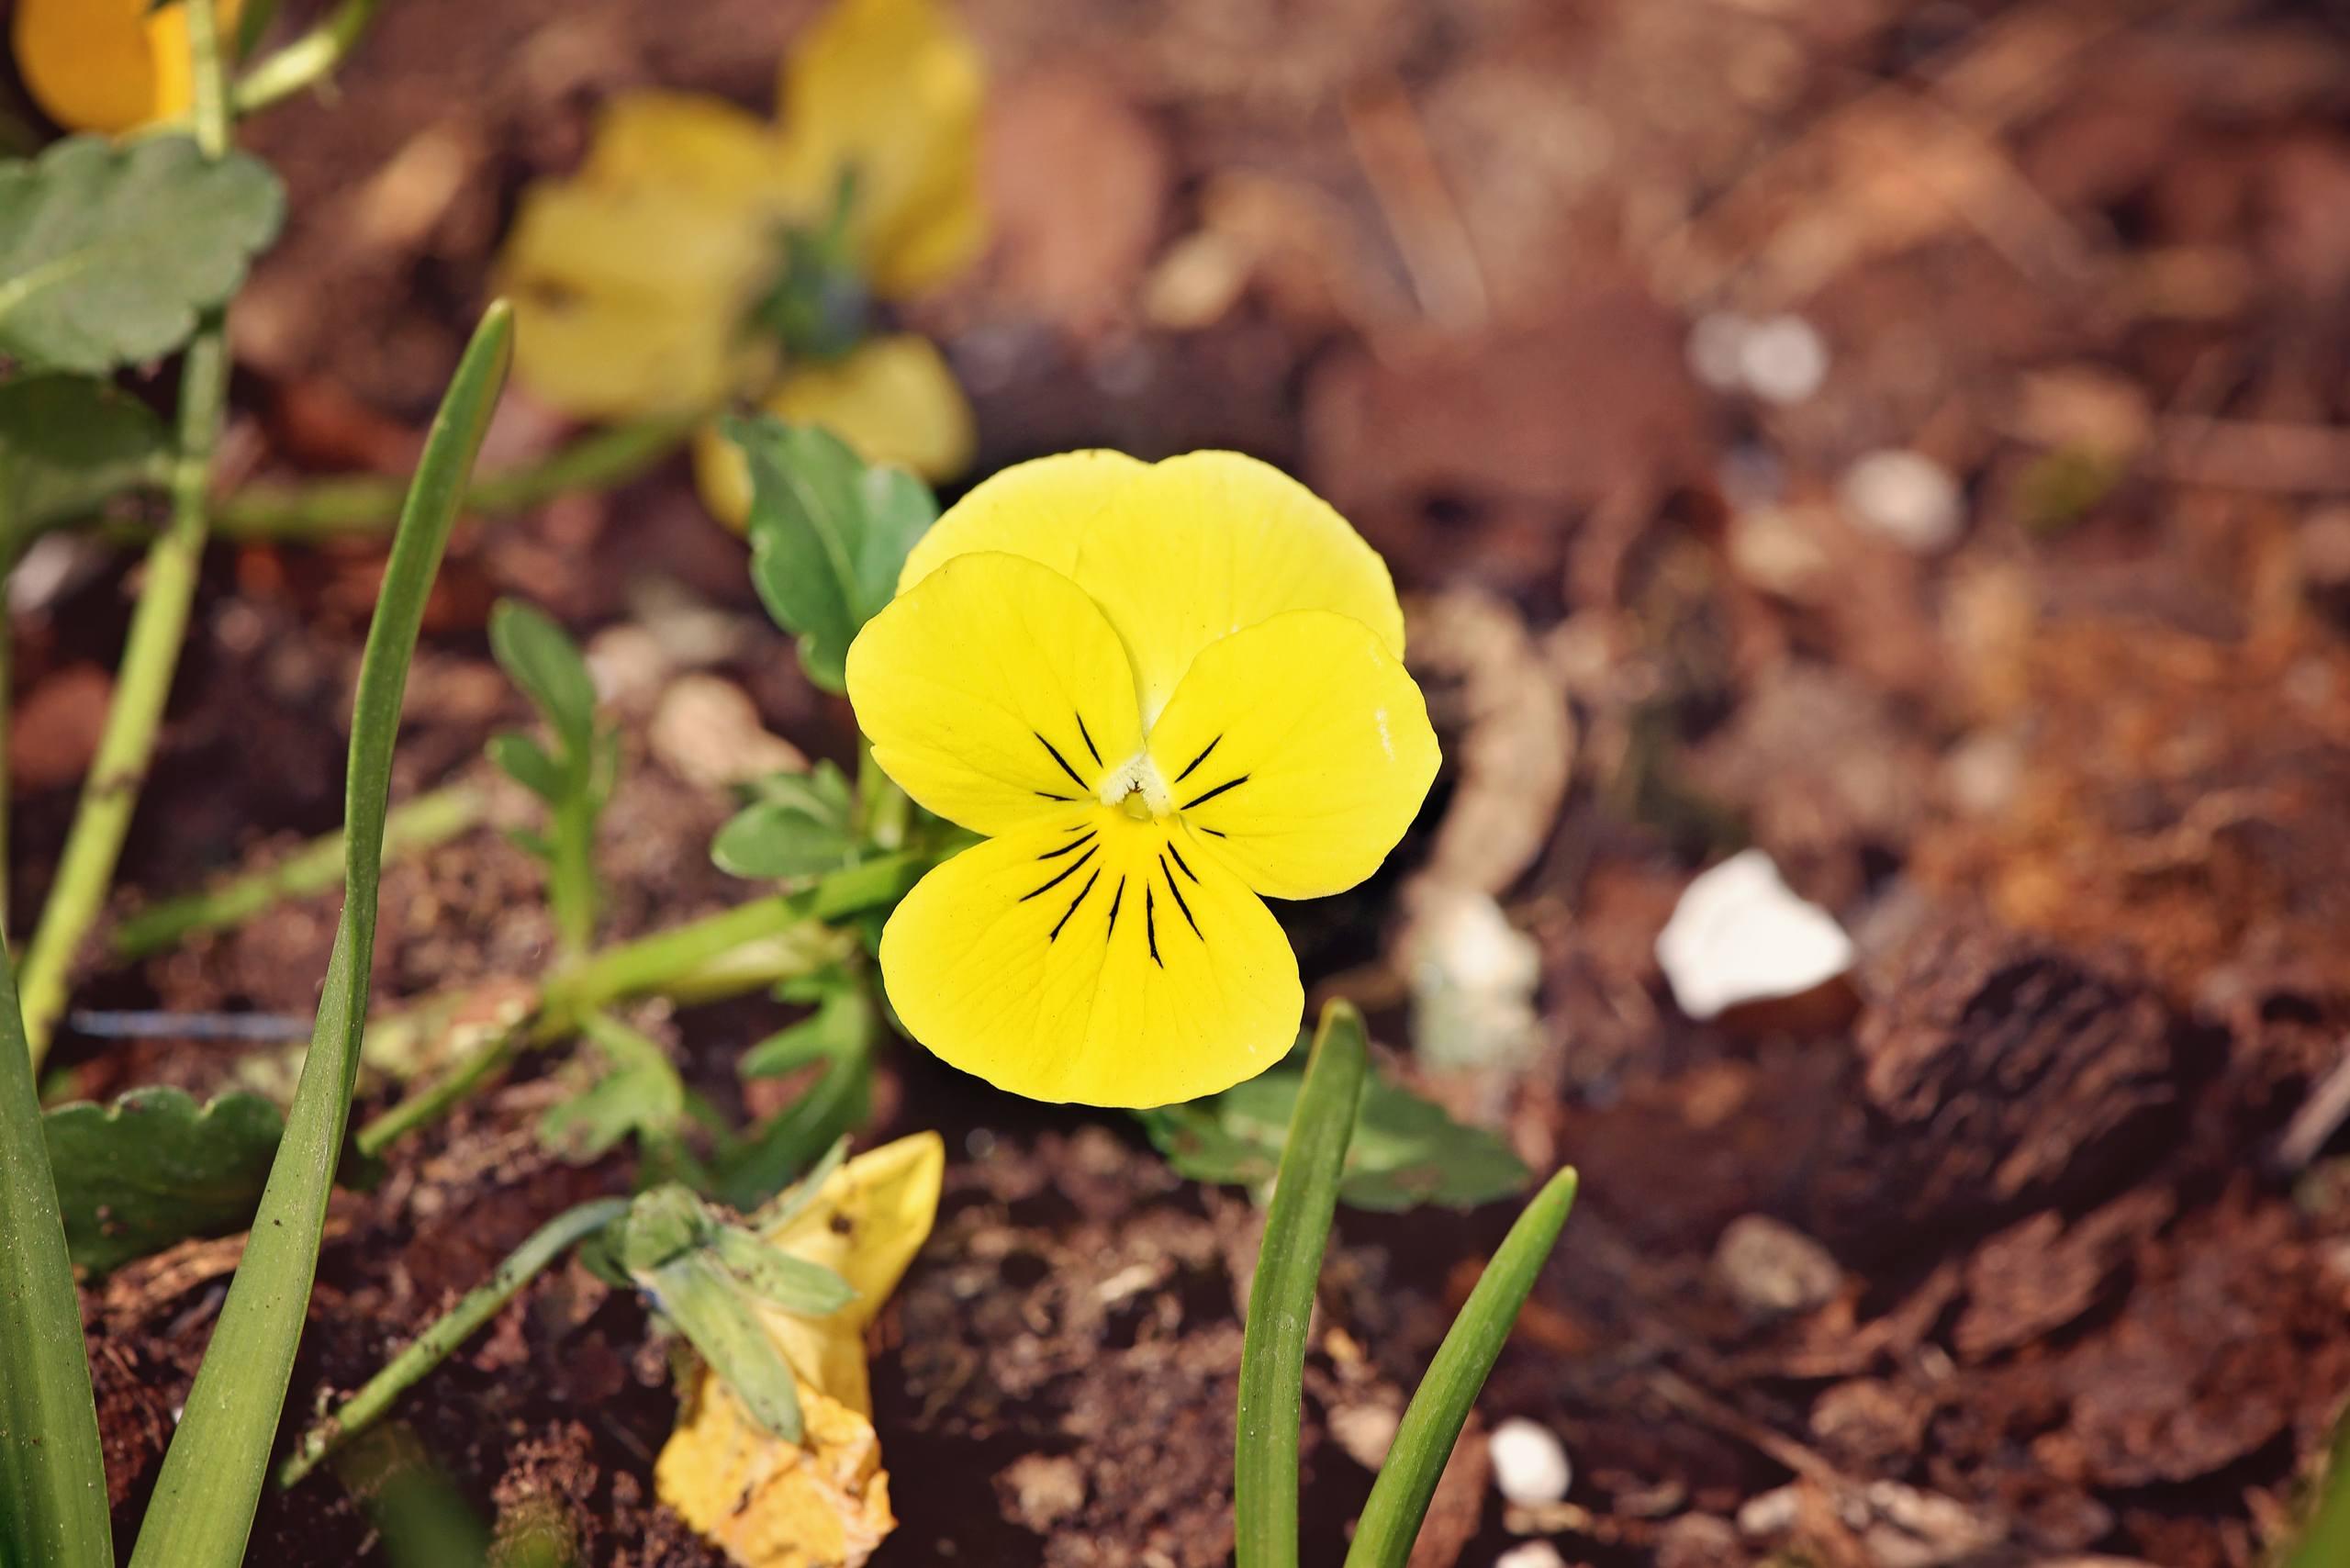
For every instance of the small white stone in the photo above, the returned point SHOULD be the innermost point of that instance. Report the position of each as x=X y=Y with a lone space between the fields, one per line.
x=1907 y=497
x=1769 y=1515
x=1783 y=360
x=1531 y=1554
x=1530 y=1465
x=1739 y=935
x=1716 y=350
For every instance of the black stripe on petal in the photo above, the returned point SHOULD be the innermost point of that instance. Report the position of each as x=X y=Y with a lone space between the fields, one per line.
x=1199 y=759
x=1202 y=800
x=1073 y=903
x=1089 y=746
x=1181 y=864
x=1066 y=872
x=1179 y=898
x=1063 y=761
x=1150 y=923
x=1064 y=849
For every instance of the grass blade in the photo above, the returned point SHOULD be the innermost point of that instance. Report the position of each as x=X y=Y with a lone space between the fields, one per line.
x=444 y=1334
x=212 y=1475
x=1281 y=1301
x=52 y=1479
x=1431 y=1424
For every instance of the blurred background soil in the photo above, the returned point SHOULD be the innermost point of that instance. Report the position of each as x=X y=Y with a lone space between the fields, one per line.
x=1907 y=438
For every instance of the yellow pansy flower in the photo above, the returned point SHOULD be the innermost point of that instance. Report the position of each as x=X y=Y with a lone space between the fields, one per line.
x=634 y=279
x=822 y=1502
x=1165 y=693
x=107 y=65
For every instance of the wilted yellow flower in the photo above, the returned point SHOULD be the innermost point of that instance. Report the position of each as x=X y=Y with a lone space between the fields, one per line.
x=107 y=65
x=1165 y=693
x=823 y=1501
x=635 y=279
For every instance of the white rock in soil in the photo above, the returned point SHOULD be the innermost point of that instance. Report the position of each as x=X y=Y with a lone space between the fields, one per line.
x=1773 y=1270
x=1907 y=497
x=1530 y=1466
x=1770 y=1515
x=1739 y=934
x=1783 y=359
x=1716 y=350
x=1531 y=1554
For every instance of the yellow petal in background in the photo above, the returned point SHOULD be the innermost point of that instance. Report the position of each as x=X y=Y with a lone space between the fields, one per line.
x=688 y=143
x=1202 y=546
x=1101 y=960
x=893 y=400
x=1040 y=508
x=106 y=65
x=1301 y=746
x=891 y=92
x=994 y=693
x=824 y=1502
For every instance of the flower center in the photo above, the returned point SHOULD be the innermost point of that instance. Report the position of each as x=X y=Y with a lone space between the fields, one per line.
x=1135 y=787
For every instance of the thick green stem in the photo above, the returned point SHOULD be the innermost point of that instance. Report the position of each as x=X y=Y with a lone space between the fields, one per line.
x=432 y=1346
x=158 y=625
x=308 y=60
x=571 y=874
x=420 y=824
x=364 y=504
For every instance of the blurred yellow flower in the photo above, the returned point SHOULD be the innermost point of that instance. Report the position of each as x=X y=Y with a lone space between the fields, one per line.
x=637 y=280
x=823 y=1501
x=1164 y=692
x=107 y=65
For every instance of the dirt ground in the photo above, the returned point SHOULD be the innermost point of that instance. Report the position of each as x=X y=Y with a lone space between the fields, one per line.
x=1584 y=314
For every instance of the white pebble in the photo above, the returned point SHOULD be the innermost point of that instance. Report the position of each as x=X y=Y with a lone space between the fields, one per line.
x=1716 y=350
x=1531 y=1554
x=1907 y=497
x=1783 y=360
x=1530 y=1464
x=1739 y=935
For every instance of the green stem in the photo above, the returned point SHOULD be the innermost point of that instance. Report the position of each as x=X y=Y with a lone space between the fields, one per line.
x=1431 y=1425
x=702 y=959
x=420 y=824
x=363 y=504
x=571 y=873
x=432 y=1346
x=150 y=653
x=1281 y=1299
x=308 y=58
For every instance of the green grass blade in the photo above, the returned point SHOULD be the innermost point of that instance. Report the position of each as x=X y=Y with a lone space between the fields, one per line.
x=1281 y=1302
x=212 y=1475
x=52 y=1479
x=1399 y=1498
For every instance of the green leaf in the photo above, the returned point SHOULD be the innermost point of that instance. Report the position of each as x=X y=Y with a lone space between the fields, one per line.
x=1406 y=1151
x=1431 y=1424
x=539 y=657
x=524 y=761
x=203 y=1507
x=780 y=843
x=1281 y=1301
x=67 y=445
x=52 y=1473
x=822 y=791
x=108 y=252
x=642 y=1094
x=828 y=535
x=799 y=1287
x=712 y=1310
x=153 y=1169
x=842 y=1026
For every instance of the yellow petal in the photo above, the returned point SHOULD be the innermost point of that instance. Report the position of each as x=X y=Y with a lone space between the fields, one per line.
x=1302 y=749
x=769 y=1504
x=893 y=400
x=1202 y=546
x=889 y=90
x=1096 y=959
x=1039 y=509
x=688 y=143
x=872 y=1216
x=91 y=63
x=994 y=693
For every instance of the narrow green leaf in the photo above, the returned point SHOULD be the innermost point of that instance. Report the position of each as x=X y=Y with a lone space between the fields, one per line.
x=828 y=535
x=804 y=1192
x=154 y=1168
x=1431 y=1424
x=212 y=1473
x=1281 y=1302
x=524 y=761
x=711 y=1309
x=444 y=1334
x=541 y=658
x=52 y=1476
x=2326 y=1543
x=108 y=251
x=822 y=791
x=641 y=1094
x=780 y=842
x=67 y=444
x=799 y=1287
x=841 y=1026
